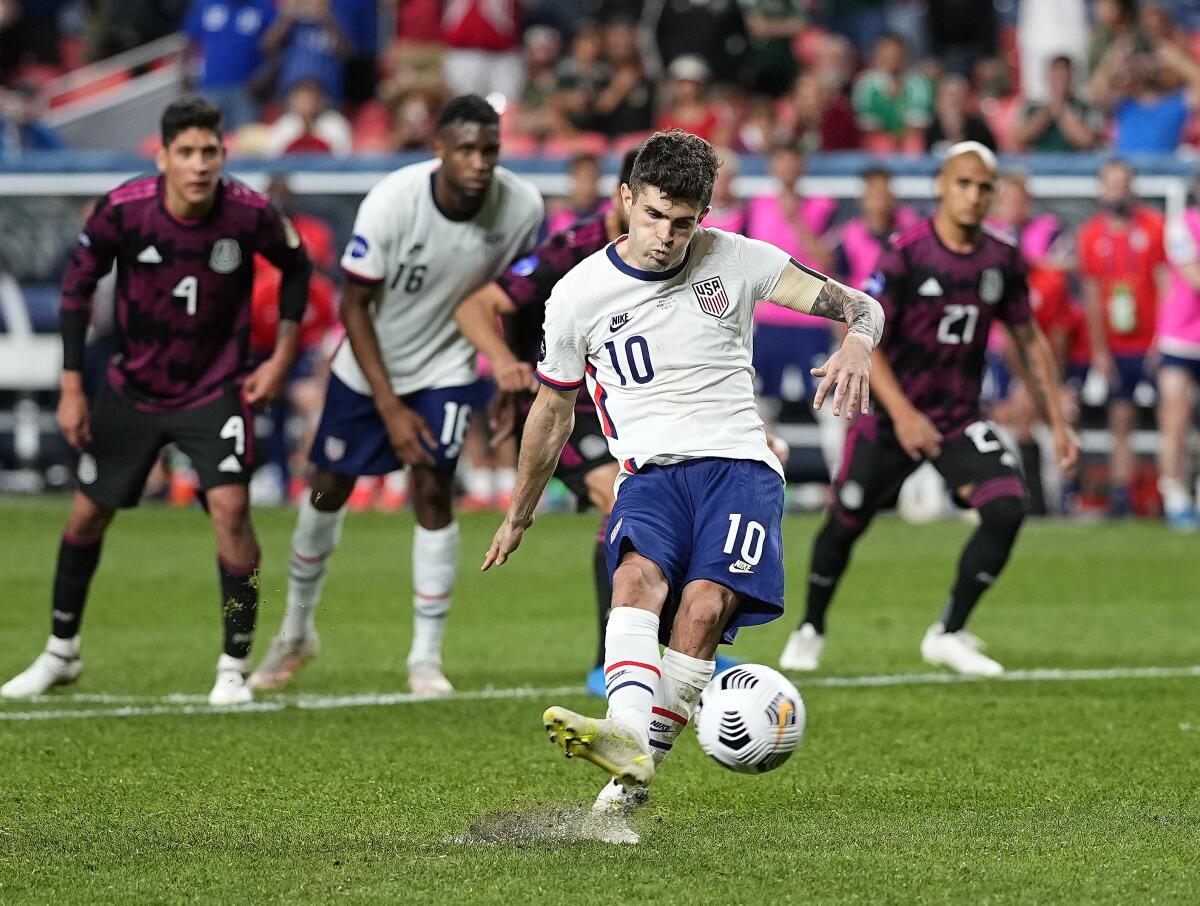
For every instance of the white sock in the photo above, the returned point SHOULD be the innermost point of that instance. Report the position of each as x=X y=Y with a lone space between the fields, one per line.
x=683 y=679
x=316 y=535
x=631 y=667
x=506 y=480
x=64 y=648
x=1174 y=494
x=435 y=561
x=477 y=481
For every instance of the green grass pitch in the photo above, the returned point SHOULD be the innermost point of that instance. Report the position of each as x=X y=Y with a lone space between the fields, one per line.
x=1053 y=790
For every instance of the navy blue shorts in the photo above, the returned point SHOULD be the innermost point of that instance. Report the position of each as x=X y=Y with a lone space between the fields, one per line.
x=1076 y=373
x=714 y=519
x=783 y=355
x=352 y=439
x=1131 y=371
x=1191 y=366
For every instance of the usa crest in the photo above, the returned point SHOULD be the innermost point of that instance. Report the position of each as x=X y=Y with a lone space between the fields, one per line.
x=226 y=256
x=711 y=296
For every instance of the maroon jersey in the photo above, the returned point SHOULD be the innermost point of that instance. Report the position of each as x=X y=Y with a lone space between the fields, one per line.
x=940 y=306
x=183 y=289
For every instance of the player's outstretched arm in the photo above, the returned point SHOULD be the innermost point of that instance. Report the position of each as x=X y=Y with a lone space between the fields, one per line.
x=849 y=369
x=477 y=317
x=546 y=430
x=1041 y=375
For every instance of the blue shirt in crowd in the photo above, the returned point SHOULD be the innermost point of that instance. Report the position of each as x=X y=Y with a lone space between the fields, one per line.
x=229 y=32
x=1150 y=128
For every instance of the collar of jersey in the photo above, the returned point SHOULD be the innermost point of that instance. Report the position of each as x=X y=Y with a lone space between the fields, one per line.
x=638 y=273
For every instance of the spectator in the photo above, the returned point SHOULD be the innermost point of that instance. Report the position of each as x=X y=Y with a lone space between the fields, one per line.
x=226 y=35
x=484 y=41
x=772 y=26
x=1063 y=123
x=713 y=31
x=585 y=199
x=359 y=21
x=1120 y=259
x=309 y=44
x=309 y=126
x=893 y=102
x=20 y=129
x=535 y=114
x=1178 y=346
x=726 y=211
x=863 y=22
x=29 y=33
x=1045 y=30
x=834 y=63
x=952 y=121
x=581 y=77
x=626 y=104
x=414 y=118
x=686 y=107
x=962 y=31
x=1148 y=116
x=1116 y=24
x=816 y=118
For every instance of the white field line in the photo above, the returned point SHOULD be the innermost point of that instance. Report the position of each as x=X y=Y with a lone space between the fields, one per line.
x=128 y=705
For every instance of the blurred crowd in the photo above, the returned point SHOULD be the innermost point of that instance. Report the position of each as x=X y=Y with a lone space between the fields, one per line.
x=889 y=76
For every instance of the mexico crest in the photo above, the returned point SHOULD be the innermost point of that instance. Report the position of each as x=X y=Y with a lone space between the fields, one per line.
x=711 y=296
x=226 y=256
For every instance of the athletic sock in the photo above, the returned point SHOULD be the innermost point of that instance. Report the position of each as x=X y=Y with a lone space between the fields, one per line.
x=831 y=554
x=982 y=559
x=239 y=604
x=77 y=562
x=317 y=534
x=683 y=679
x=632 y=667
x=603 y=590
x=435 y=561
x=1031 y=465
x=1174 y=495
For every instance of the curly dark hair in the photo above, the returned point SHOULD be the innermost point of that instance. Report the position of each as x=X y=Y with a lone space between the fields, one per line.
x=680 y=165
x=187 y=113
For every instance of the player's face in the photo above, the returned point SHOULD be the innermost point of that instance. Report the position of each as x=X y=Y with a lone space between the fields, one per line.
x=966 y=187
x=660 y=228
x=469 y=153
x=192 y=165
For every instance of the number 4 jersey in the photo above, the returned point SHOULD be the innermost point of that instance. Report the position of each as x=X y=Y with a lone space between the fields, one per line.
x=427 y=264
x=940 y=306
x=666 y=354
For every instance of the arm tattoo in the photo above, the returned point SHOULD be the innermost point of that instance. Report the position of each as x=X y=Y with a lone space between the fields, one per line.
x=860 y=312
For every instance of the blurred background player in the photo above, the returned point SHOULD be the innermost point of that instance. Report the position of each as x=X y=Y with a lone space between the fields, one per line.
x=404 y=386
x=1121 y=260
x=862 y=238
x=1178 y=347
x=184 y=243
x=942 y=283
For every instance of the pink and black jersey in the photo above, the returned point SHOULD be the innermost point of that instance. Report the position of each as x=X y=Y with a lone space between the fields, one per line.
x=940 y=306
x=183 y=289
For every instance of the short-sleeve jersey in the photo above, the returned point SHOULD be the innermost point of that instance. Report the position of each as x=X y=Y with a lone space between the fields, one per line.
x=666 y=355
x=427 y=264
x=939 y=307
x=1124 y=263
x=183 y=288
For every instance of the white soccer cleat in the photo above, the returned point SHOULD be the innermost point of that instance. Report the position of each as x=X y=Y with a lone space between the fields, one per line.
x=58 y=665
x=426 y=678
x=606 y=743
x=959 y=651
x=803 y=649
x=615 y=799
x=231 y=687
x=284 y=658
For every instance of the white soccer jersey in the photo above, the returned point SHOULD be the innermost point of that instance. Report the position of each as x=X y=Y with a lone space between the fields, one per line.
x=666 y=355
x=428 y=264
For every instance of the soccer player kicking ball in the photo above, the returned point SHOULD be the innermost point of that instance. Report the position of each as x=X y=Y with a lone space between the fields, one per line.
x=659 y=325
x=184 y=244
x=403 y=388
x=942 y=282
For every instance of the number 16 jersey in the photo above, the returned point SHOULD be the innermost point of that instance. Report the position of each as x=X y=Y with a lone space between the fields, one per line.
x=666 y=355
x=427 y=264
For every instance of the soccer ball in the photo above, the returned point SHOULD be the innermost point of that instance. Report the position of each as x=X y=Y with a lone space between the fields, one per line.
x=750 y=719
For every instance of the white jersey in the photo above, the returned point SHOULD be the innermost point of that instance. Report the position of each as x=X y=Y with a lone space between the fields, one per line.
x=428 y=264
x=666 y=355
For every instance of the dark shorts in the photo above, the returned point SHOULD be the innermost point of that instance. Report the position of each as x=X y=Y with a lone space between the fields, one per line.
x=714 y=519
x=1131 y=371
x=783 y=355
x=875 y=465
x=353 y=440
x=1191 y=366
x=585 y=451
x=217 y=437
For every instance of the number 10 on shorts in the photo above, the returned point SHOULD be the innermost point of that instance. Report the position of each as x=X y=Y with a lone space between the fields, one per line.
x=752 y=540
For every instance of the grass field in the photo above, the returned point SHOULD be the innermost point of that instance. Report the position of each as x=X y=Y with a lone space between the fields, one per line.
x=1047 y=788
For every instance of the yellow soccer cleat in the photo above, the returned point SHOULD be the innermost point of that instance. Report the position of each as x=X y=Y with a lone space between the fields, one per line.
x=604 y=742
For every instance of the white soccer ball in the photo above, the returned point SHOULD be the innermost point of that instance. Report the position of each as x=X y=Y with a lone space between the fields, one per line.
x=750 y=719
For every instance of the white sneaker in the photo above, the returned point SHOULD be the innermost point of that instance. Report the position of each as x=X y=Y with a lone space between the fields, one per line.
x=284 y=658
x=803 y=649
x=959 y=651
x=426 y=678
x=231 y=687
x=58 y=665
